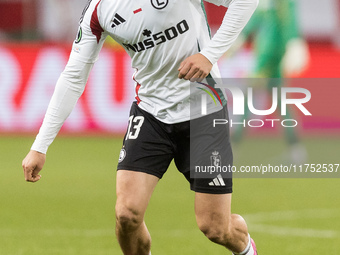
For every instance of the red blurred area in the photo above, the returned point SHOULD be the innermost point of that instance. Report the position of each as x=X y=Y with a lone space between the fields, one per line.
x=325 y=61
x=16 y=15
x=11 y=16
x=33 y=65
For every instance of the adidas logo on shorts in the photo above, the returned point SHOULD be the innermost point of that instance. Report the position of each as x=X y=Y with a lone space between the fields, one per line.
x=218 y=181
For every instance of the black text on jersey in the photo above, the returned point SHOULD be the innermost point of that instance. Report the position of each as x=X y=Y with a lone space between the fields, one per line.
x=158 y=38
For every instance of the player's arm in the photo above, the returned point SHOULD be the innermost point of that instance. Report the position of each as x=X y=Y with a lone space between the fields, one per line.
x=198 y=66
x=69 y=88
x=251 y=28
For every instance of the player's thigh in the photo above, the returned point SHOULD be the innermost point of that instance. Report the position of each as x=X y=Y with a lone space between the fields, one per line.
x=212 y=209
x=134 y=190
x=210 y=155
x=146 y=145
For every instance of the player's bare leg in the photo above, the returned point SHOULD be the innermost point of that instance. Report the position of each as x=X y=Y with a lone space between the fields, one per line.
x=214 y=218
x=134 y=190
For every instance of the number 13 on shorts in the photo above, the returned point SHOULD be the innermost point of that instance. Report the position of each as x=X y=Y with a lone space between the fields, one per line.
x=135 y=124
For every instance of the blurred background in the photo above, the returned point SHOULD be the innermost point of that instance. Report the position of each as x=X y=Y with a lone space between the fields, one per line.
x=36 y=38
x=71 y=210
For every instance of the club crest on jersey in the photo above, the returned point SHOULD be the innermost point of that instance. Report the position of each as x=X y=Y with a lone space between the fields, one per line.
x=159 y=4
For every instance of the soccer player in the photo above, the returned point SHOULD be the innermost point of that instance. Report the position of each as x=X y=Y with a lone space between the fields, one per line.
x=279 y=52
x=169 y=45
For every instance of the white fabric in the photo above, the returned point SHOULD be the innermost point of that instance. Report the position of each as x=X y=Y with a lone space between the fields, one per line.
x=234 y=21
x=224 y=3
x=69 y=88
x=157 y=40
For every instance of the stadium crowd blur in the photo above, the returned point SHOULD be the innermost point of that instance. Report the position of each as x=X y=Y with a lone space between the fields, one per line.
x=38 y=34
x=49 y=20
x=57 y=20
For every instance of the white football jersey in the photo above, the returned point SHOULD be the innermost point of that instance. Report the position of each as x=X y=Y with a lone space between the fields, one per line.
x=158 y=35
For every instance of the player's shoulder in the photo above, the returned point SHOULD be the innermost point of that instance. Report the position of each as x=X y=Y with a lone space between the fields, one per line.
x=98 y=10
x=105 y=5
x=105 y=8
x=102 y=5
x=219 y=2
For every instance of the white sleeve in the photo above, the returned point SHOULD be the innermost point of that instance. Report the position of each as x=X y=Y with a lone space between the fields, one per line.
x=235 y=19
x=69 y=88
x=224 y=3
x=72 y=81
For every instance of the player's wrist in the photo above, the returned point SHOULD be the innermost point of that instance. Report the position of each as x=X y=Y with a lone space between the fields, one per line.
x=38 y=152
x=208 y=57
x=42 y=149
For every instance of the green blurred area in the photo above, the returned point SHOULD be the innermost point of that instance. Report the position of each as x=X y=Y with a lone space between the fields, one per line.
x=71 y=209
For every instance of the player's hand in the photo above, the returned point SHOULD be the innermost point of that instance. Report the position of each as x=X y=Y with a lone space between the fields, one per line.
x=194 y=68
x=32 y=165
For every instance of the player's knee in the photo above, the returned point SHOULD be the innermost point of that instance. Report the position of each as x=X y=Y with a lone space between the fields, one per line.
x=128 y=219
x=215 y=231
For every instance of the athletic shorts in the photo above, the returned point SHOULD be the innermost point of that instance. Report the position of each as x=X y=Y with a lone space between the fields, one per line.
x=150 y=145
